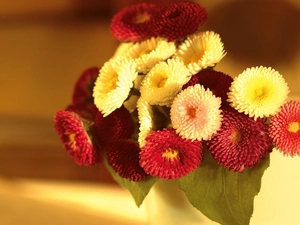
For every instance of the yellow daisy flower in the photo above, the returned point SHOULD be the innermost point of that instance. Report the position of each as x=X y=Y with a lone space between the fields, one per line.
x=258 y=92
x=163 y=82
x=113 y=84
x=151 y=51
x=201 y=50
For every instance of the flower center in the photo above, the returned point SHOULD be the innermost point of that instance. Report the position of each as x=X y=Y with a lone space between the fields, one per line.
x=260 y=94
x=191 y=112
x=71 y=141
x=235 y=136
x=170 y=154
x=112 y=84
x=196 y=56
x=144 y=52
x=162 y=82
x=294 y=127
x=141 y=18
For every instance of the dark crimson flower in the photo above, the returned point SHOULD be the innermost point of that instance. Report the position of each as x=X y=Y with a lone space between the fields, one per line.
x=74 y=134
x=177 y=20
x=285 y=129
x=167 y=155
x=217 y=82
x=123 y=156
x=82 y=98
x=241 y=141
x=135 y=23
x=117 y=125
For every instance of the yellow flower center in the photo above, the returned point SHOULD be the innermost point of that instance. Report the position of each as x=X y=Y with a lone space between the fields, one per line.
x=294 y=127
x=162 y=83
x=112 y=84
x=235 y=136
x=171 y=154
x=144 y=52
x=141 y=18
x=197 y=56
x=72 y=141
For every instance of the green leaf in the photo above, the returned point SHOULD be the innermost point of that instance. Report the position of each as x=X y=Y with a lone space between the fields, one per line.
x=138 y=190
x=224 y=196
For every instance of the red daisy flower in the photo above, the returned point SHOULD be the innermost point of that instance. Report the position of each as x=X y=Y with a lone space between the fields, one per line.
x=82 y=99
x=285 y=129
x=241 y=141
x=180 y=19
x=123 y=156
x=167 y=155
x=217 y=82
x=117 y=125
x=74 y=134
x=135 y=23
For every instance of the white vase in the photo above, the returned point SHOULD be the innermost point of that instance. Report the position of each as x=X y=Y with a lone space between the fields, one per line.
x=167 y=205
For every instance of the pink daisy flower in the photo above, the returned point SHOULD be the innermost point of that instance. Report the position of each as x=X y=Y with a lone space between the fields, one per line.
x=74 y=133
x=167 y=155
x=241 y=142
x=135 y=23
x=115 y=126
x=217 y=82
x=285 y=128
x=180 y=19
x=123 y=156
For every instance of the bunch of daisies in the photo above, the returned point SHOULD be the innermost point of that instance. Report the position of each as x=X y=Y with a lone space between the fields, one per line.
x=158 y=103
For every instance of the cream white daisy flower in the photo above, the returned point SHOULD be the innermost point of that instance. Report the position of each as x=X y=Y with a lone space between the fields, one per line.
x=201 y=50
x=145 y=115
x=195 y=113
x=151 y=51
x=163 y=82
x=258 y=92
x=113 y=84
x=122 y=49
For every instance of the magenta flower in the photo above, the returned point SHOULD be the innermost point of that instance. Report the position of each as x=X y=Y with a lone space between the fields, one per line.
x=82 y=98
x=241 y=141
x=285 y=129
x=167 y=155
x=115 y=126
x=217 y=82
x=74 y=133
x=177 y=20
x=123 y=156
x=135 y=23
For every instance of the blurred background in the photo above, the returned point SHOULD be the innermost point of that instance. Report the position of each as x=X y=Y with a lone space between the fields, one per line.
x=45 y=45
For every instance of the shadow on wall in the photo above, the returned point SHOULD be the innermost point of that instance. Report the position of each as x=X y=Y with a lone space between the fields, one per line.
x=265 y=32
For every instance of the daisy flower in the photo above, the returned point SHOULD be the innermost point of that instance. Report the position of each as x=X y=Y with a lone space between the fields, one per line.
x=145 y=115
x=201 y=50
x=123 y=156
x=163 y=82
x=258 y=92
x=241 y=142
x=180 y=19
x=122 y=49
x=115 y=126
x=195 y=113
x=113 y=84
x=135 y=23
x=74 y=133
x=151 y=51
x=285 y=129
x=217 y=82
x=167 y=155
x=82 y=98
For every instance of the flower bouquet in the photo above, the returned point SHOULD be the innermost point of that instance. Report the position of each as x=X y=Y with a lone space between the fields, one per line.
x=158 y=109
